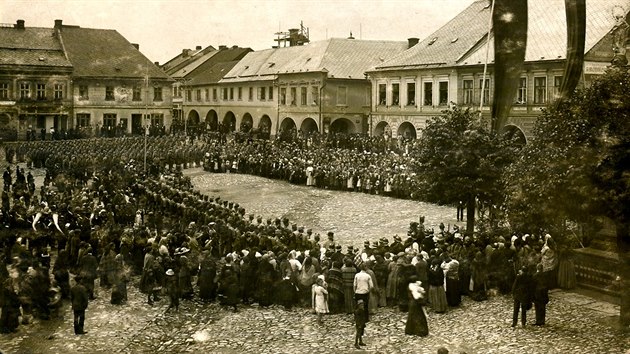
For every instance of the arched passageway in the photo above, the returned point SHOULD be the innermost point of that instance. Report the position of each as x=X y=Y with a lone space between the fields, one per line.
x=515 y=133
x=308 y=125
x=407 y=131
x=383 y=129
x=229 y=122
x=212 y=120
x=342 y=125
x=246 y=123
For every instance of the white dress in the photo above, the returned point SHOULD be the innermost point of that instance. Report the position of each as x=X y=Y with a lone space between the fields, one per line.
x=320 y=302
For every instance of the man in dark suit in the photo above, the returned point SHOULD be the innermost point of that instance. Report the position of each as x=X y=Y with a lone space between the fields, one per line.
x=79 y=298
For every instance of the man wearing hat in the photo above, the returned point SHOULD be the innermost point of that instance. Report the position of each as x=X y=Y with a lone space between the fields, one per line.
x=397 y=246
x=331 y=240
x=337 y=256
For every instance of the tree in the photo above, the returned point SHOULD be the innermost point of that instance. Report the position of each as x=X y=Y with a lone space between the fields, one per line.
x=463 y=160
x=578 y=164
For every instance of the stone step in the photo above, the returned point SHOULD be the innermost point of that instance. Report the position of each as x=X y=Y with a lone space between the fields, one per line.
x=597 y=270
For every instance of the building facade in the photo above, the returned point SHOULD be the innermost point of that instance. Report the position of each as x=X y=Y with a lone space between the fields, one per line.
x=447 y=68
x=73 y=80
x=316 y=87
x=35 y=82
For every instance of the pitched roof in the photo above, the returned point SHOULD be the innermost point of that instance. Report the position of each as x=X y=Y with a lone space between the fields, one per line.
x=547 y=30
x=340 y=58
x=31 y=46
x=186 y=55
x=213 y=69
x=106 y=53
x=446 y=45
x=462 y=41
x=187 y=66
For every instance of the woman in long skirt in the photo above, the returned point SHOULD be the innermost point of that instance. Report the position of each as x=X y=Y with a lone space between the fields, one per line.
x=416 y=319
x=437 y=295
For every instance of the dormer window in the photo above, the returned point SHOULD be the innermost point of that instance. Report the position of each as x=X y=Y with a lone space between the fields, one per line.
x=432 y=40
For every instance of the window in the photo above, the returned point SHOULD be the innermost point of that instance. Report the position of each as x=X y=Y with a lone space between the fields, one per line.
x=251 y=93
x=368 y=96
x=157 y=118
x=231 y=93
x=109 y=93
x=293 y=96
x=283 y=95
x=207 y=95
x=83 y=92
x=428 y=94
x=382 y=94
x=176 y=91
x=395 y=94
x=467 y=90
x=157 y=94
x=411 y=94
x=240 y=93
x=262 y=93
x=188 y=95
x=214 y=94
x=557 y=81
x=342 y=95
x=198 y=95
x=521 y=94
x=4 y=91
x=41 y=91
x=25 y=90
x=540 y=90
x=303 y=94
x=225 y=94
x=486 y=91
x=443 y=93
x=58 y=91
x=83 y=120
x=314 y=95
x=137 y=94
x=270 y=93
x=109 y=120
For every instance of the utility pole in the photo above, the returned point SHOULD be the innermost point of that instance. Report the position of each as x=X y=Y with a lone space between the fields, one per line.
x=146 y=115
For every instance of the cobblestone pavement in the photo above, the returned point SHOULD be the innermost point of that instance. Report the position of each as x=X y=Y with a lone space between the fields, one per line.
x=576 y=323
x=354 y=217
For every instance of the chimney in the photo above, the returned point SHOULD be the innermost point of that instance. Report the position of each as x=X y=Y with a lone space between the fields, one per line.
x=157 y=63
x=58 y=24
x=234 y=46
x=136 y=45
x=19 y=24
x=412 y=41
x=198 y=47
x=222 y=47
x=185 y=52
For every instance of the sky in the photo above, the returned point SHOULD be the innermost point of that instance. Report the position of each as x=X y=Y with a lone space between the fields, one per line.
x=163 y=28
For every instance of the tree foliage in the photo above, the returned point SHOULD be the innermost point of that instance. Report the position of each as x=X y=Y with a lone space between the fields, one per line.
x=462 y=159
x=576 y=165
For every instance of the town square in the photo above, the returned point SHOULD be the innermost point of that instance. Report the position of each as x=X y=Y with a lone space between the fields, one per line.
x=345 y=179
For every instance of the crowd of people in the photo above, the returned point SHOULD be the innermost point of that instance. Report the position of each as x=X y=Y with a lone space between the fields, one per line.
x=107 y=220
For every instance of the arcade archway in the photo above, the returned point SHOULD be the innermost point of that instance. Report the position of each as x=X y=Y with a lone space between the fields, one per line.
x=407 y=131
x=246 y=123
x=383 y=129
x=308 y=125
x=212 y=120
x=264 y=127
x=193 y=118
x=342 y=125
x=229 y=122
x=515 y=133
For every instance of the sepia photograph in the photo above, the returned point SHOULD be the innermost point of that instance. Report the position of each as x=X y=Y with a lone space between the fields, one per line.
x=301 y=176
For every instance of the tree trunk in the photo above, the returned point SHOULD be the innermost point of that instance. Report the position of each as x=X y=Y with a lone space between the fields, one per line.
x=623 y=248
x=470 y=214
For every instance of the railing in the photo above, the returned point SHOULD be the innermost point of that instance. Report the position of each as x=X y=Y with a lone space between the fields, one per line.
x=597 y=270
